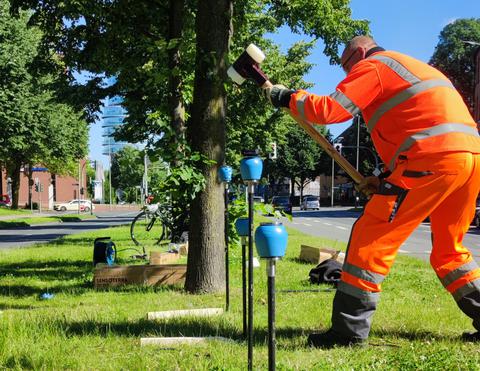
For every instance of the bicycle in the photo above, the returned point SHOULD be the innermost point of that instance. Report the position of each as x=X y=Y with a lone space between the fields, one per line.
x=151 y=225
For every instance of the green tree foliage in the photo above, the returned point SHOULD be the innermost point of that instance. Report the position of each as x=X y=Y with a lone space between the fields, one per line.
x=298 y=157
x=455 y=58
x=35 y=129
x=127 y=169
x=367 y=154
x=131 y=40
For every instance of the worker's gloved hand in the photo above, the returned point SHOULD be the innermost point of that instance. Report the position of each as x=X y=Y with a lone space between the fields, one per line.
x=278 y=95
x=369 y=185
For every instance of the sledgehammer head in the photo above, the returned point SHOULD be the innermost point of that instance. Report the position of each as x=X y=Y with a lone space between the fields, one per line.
x=248 y=66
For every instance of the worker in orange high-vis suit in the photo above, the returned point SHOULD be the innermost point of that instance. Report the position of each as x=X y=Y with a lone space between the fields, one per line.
x=426 y=136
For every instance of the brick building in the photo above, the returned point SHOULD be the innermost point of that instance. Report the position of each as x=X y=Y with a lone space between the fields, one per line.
x=55 y=188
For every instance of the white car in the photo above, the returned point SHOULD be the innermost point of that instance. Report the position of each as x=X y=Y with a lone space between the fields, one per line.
x=85 y=205
x=310 y=202
x=258 y=199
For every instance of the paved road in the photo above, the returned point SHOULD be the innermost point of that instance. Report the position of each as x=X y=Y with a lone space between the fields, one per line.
x=336 y=223
x=24 y=236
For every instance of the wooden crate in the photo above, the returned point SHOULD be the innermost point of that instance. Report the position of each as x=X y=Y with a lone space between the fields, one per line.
x=150 y=275
x=158 y=257
x=316 y=255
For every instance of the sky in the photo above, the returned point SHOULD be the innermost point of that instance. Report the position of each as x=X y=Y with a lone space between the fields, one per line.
x=408 y=26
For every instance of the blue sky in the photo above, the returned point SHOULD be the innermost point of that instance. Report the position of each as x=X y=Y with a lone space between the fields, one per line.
x=408 y=26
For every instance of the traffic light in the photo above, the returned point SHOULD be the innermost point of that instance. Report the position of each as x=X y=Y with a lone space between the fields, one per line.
x=36 y=187
x=273 y=154
x=338 y=147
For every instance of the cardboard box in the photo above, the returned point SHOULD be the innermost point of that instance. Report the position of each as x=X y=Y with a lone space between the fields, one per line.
x=158 y=257
x=316 y=255
x=150 y=275
x=183 y=249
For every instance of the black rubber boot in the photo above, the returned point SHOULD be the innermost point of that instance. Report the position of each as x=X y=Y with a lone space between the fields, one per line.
x=329 y=339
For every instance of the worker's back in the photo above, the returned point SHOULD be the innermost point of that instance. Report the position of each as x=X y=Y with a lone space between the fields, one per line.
x=411 y=108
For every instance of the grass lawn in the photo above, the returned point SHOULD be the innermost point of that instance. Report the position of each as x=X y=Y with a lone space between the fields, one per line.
x=417 y=325
x=26 y=222
x=4 y=211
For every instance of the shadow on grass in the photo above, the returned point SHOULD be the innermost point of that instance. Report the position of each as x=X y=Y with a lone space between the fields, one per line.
x=4 y=306
x=19 y=291
x=48 y=270
x=411 y=336
x=300 y=261
x=172 y=328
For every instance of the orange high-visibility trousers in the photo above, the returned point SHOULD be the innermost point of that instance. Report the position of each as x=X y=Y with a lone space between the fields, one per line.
x=442 y=186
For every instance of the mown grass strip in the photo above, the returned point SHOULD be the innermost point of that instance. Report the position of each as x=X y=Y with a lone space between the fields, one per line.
x=27 y=222
x=417 y=325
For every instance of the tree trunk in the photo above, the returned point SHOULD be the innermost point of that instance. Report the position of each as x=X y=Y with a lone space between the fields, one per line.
x=175 y=102
x=30 y=176
x=13 y=171
x=302 y=185
x=1 y=179
x=205 y=266
x=176 y=107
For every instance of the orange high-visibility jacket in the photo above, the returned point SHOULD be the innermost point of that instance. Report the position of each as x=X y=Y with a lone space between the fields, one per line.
x=409 y=107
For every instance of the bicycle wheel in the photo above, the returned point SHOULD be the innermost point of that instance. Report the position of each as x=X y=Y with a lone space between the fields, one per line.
x=146 y=229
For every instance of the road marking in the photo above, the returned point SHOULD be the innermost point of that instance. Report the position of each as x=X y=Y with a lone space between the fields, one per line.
x=327 y=223
x=317 y=221
x=427 y=251
x=337 y=226
x=403 y=251
x=308 y=218
x=308 y=225
x=295 y=223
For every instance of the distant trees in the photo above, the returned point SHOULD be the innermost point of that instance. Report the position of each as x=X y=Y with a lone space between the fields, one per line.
x=127 y=171
x=34 y=127
x=298 y=158
x=454 y=56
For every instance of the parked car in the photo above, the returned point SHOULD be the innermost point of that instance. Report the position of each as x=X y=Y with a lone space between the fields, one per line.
x=5 y=200
x=85 y=205
x=258 y=199
x=282 y=203
x=310 y=203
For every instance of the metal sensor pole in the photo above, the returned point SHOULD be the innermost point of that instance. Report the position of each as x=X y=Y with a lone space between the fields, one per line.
x=227 y=269
x=251 y=189
x=272 y=343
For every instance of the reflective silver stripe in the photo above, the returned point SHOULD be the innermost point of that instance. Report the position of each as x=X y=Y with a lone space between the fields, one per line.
x=432 y=132
x=363 y=274
x=458 y=273
x=358 y=293
x=466 y=289
x=403 y=96
x=345 y=102
x=398 y=68
x=301 y=105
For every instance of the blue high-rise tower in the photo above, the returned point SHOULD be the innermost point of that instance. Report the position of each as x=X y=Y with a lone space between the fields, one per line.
x=113 y=115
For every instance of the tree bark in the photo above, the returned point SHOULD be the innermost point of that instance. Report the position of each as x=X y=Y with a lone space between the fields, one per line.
x=30 y=176
x=13 y=171
x=205 y=266
x=176 y=106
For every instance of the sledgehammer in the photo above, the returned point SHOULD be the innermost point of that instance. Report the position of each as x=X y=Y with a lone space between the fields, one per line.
x=247 y=66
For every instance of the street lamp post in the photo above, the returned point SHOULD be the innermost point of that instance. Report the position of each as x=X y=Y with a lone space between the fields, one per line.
x=110 y=173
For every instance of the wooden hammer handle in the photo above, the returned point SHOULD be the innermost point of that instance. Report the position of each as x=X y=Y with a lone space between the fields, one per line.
x=324 y=143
